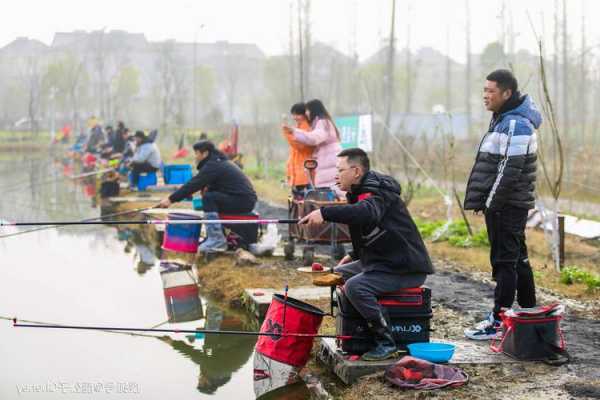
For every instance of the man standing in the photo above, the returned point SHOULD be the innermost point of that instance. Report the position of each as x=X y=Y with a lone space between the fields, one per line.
x=502 y=185
x=388 y=251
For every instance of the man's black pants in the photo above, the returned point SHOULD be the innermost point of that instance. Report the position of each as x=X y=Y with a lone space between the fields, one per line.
x=362 y=287
x=510 y=263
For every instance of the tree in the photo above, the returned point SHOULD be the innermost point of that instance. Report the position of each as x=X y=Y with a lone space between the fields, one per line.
x=126 y=86
x=388 y=79
x=167 y=90
x=68 y=78
x=492 y=57
x=205 y=80
x=468 y=65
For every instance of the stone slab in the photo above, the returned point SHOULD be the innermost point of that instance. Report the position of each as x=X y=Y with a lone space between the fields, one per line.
x=467 y=352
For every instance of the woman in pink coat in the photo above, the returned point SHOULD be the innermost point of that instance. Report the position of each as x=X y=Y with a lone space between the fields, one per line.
x=326 y=139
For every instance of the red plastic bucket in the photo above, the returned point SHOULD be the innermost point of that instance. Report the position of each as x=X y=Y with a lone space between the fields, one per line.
x=300 y=317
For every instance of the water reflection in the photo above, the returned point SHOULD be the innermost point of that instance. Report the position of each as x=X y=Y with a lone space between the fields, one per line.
x=93 y=266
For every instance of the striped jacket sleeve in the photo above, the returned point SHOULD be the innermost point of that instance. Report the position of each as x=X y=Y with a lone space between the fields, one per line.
x=514 y=144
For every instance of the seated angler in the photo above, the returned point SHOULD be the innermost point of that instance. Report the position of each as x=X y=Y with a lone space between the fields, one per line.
x=145 y=159
x=224 y=189
x=388 y=251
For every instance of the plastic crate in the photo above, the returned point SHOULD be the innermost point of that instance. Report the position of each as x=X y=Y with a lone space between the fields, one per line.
x=177 y=174
x=146 y=179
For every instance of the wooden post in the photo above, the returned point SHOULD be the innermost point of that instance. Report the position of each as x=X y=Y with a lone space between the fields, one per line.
x=561 y=241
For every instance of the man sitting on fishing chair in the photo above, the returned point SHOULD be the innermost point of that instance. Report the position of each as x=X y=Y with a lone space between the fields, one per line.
x=388 y=251
x=224 y=189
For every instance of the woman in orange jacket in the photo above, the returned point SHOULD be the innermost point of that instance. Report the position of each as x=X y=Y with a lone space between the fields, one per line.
x=299 y=152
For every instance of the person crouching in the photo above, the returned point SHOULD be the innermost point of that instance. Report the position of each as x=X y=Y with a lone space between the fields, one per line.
x=224 y=188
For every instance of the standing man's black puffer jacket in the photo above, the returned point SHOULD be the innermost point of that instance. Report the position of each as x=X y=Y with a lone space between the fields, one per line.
x=505 y=168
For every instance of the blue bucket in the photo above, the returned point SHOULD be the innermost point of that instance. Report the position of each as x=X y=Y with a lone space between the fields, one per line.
x=434 y=351
x=181 y=237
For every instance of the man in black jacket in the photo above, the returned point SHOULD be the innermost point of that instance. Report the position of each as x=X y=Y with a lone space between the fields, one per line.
x=224 y=188
x=502 y=185
x=388 y=251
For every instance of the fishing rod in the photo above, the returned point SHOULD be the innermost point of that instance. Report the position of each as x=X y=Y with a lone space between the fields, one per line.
x=23 y=185
x=193 y=331
x=157 y=222
x=60 y=226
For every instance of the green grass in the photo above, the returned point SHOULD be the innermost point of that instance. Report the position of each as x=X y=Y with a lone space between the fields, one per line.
x=456 y=233
x=573 y=274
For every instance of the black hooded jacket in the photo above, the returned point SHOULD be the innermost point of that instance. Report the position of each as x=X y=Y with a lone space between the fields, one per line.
x=384 y=236
x=218 y=174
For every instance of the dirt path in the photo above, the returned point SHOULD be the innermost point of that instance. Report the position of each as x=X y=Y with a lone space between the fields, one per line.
x=466 y=294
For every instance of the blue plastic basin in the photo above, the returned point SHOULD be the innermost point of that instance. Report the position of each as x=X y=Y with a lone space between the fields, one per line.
x=433 y=351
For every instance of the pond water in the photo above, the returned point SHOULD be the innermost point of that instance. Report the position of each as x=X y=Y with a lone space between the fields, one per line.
x=98 y=275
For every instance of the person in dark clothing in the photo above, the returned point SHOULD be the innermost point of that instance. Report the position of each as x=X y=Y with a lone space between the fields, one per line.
x=224 y=188
x=120 y=141
x=388 y=251
x=502 y=185
x=96 y=138
x=110 y=134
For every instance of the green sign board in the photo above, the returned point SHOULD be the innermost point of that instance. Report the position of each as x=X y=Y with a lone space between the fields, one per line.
x=355 y=131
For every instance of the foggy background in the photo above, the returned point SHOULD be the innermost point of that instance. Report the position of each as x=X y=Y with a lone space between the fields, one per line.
x=187 y=67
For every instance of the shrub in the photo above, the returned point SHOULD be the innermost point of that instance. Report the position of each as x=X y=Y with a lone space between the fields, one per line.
x=573 y=274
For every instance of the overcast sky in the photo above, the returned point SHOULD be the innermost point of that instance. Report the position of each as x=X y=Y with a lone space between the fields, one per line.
x=435 y=23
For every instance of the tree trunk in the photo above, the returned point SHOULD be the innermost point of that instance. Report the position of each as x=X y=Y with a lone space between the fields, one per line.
x=307 y=46
x=565 y=72
x=448 y=72
x=583 y=84
x=409 y=93
x=388 y=81
x=300 y=51
x=468 y=68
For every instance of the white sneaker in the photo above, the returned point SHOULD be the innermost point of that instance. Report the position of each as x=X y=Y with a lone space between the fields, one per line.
x=488 y=329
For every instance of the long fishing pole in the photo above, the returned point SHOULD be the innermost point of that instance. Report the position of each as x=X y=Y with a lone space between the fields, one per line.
x=194 y=331
x=60 y=226
x=157 y=222
x=23 y=185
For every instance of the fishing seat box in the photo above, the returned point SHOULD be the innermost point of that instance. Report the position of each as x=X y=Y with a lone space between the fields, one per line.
x=241 y=235
x=407 y=311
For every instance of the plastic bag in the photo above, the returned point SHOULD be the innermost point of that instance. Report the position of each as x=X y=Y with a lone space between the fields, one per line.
x=268 y=242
